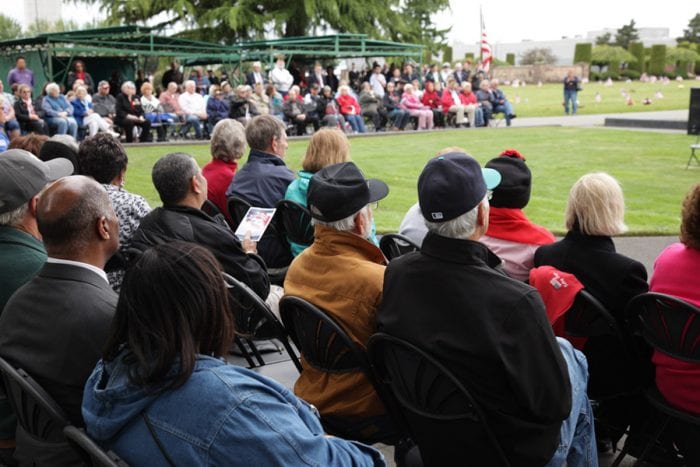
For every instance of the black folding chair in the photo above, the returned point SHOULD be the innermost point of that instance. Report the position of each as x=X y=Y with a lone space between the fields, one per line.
x=327 y=347
x=255 y=320
x=296 y=222
x=237 y=207
x=213 y=211
x=91 y=453
x=443 y=418
x=587 y=317
x=41 y=420
x=394 y=245
x=672 y=326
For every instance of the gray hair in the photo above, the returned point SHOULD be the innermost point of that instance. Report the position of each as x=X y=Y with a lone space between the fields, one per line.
x=171 y=176
x=261 y=130
x=228 y=140
x=66 y=140
x=128 y=85
x=461 y=227
x=343 y=225
x=14 y=217
x=52 y=87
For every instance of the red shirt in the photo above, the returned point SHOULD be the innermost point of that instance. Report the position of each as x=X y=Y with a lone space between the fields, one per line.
x=219 y=175
x=347 y=103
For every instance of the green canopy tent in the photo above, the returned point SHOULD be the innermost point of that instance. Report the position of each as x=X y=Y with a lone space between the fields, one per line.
x=105 y=51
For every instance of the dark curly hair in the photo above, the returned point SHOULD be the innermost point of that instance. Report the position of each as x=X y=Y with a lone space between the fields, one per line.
x=102 y=157
x=690 y=219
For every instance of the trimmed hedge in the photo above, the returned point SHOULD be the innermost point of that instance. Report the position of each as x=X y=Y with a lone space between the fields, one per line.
x=637 y=49
x=510 y=59
x=582 y=52
x=447 y=54
x=657 y=60
x=631 y=74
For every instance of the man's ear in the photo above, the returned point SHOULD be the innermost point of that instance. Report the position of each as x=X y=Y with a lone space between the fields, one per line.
x=195 y=185
x=482 y=218
x=33 y=204
x=104 y=230
x=361 y=225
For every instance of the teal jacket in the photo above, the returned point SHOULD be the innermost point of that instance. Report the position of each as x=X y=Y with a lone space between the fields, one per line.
x=296 y=191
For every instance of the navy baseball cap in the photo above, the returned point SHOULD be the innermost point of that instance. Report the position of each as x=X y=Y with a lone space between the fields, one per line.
x=453 y=184
x=340 y=190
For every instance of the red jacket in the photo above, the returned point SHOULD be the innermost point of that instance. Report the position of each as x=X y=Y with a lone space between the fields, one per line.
x=447 y=101
x=468 y=98
x=431 y=99
x=348 y=104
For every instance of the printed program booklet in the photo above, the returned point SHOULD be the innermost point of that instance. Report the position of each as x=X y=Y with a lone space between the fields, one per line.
x=255 y=221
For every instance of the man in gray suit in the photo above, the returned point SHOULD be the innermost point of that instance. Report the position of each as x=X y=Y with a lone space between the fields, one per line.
x=54 y=327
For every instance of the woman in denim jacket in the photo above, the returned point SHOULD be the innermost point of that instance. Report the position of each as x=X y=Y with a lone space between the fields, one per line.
x=162 y=396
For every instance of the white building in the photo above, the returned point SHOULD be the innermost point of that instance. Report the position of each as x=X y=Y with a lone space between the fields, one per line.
x=563 y=48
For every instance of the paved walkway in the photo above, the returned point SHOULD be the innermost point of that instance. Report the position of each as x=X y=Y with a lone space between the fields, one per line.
x=598 y=120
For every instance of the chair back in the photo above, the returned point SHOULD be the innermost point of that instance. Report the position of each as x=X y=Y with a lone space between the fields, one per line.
x=443 y=418
x=90 y=452
x=587 y=317
x=394 y=245
x=323 y=342
x=213 y=211
x=296 y=222
x=254 y=319
x=37 y=413
x=669 y=324
x=237 y=207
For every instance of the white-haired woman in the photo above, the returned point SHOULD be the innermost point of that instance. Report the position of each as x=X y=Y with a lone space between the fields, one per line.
x=350 y=109
x=228 y=144
x=594 y=213
x=58 y=112
x=85 y=116
x=411 y=102
x=130 y=114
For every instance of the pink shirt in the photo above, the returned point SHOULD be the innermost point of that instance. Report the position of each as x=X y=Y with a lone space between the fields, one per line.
x=675 y=273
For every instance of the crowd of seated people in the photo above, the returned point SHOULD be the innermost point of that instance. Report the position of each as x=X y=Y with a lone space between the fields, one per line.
x=387 y=97
x=146 y=317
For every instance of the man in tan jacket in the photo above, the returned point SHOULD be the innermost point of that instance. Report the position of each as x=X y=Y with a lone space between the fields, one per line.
x=342 y=273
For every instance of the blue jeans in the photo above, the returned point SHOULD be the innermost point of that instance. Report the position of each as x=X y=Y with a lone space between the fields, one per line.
x=570 y=95
x=62 y=126
x=577 y=446
x=506 y=109
x=479 y=117
x=399 y=118
x=192 y=121
x=356 y=122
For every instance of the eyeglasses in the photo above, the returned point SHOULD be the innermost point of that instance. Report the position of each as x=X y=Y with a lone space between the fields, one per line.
x=489 y=194
x=374 y=205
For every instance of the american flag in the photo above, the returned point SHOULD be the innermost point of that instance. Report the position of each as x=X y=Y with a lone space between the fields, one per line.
x=486 y=56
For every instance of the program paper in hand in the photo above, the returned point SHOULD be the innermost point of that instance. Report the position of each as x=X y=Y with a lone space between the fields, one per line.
x=255 y=221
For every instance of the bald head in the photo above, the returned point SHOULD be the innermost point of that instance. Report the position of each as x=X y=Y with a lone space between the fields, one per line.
x=76 y=220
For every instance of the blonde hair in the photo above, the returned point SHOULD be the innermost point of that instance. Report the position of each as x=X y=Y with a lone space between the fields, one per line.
x=146 y=85
x=596 y=206
x=326 y=147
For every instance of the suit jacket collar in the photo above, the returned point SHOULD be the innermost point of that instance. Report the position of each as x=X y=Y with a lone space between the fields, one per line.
x=73 y=273
x=459 y=251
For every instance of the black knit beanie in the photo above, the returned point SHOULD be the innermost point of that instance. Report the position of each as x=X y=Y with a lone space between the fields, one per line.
x=516 y=181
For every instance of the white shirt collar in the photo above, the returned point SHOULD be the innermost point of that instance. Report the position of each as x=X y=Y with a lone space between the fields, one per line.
x=79 y=264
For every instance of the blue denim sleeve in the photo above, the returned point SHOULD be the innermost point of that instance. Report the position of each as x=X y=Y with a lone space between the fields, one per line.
x=271 y=426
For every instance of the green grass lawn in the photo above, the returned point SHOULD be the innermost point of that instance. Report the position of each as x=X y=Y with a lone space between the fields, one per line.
x=546 y=100
x=649 y=165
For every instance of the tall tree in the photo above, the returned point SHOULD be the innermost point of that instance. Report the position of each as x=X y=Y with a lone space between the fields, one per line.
x=230 y=20
x=9 y=28
x=692 y=34
x=626 y=34
x=538 y=56
x=603 y=39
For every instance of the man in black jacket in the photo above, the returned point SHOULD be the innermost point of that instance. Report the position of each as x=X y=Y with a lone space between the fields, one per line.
x=183 y=190
x=489 y=330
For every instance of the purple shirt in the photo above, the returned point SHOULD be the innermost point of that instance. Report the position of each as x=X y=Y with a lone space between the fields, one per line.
x=24 y=76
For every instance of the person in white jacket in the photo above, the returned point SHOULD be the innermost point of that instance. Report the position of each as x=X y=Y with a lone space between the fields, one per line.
x=193 y=108
x=281 y=77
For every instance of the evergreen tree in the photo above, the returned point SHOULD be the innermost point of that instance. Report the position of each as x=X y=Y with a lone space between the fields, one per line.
x=692 y=34
x=9 y=28
x=626 y=34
